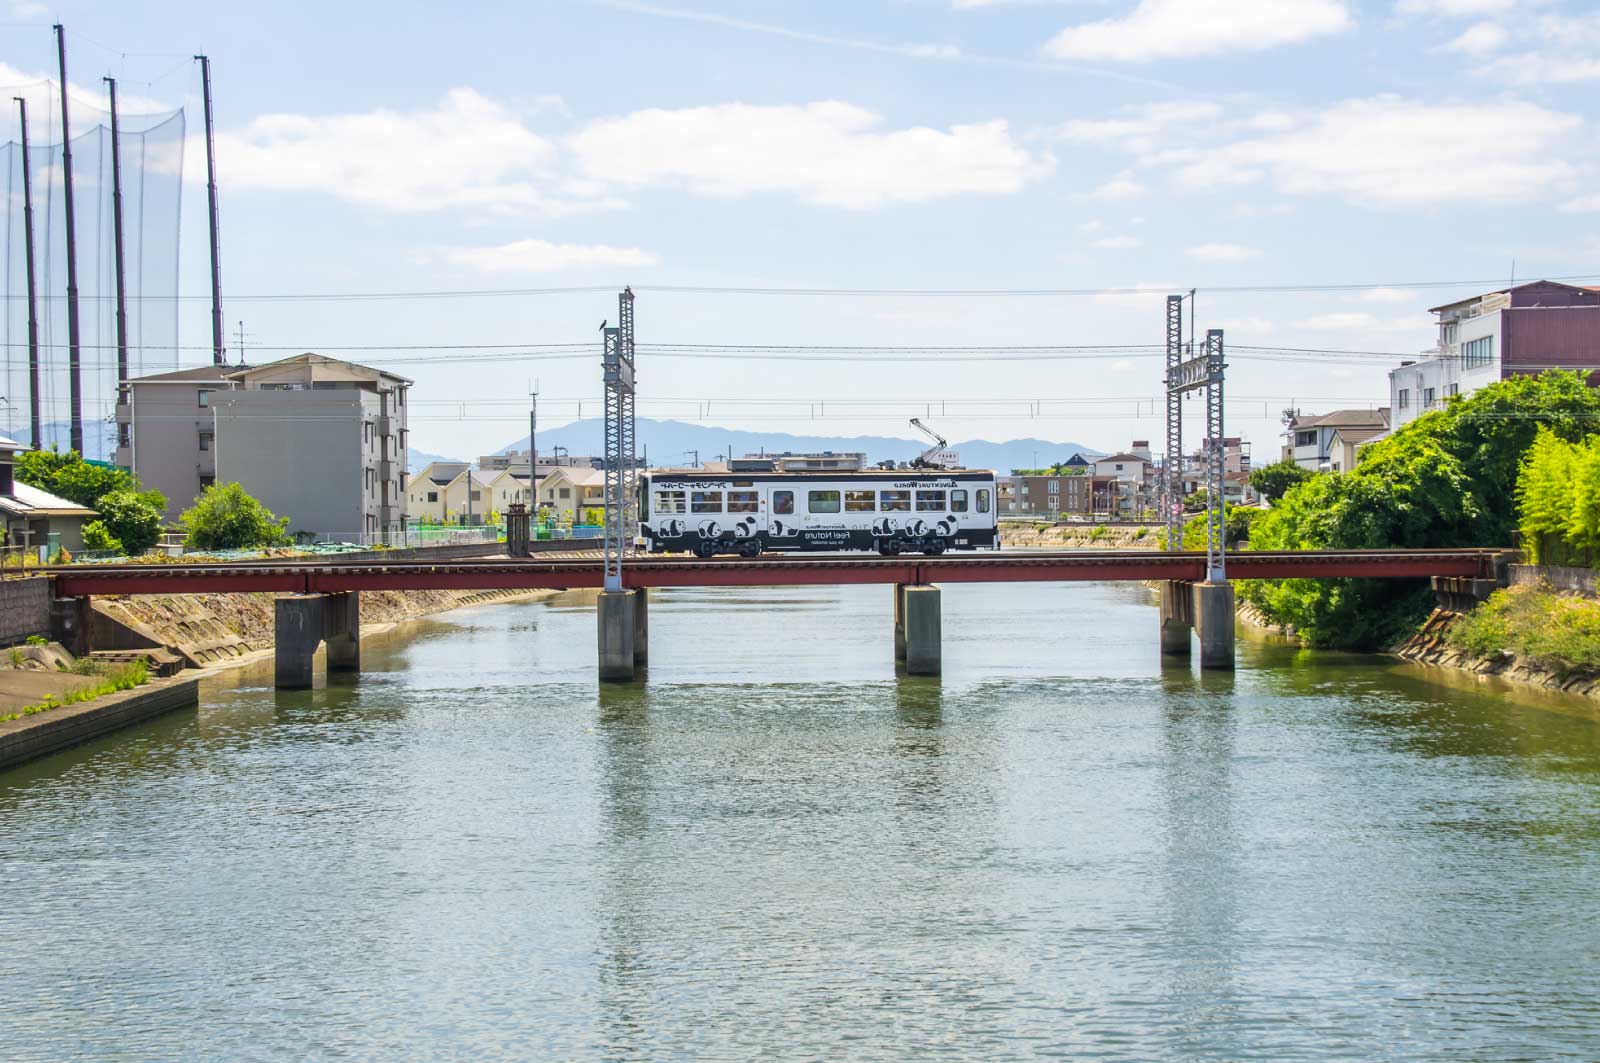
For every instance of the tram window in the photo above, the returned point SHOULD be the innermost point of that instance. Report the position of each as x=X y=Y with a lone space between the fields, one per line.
x=894 y=501
x=743 y=502
x=983 y=500
x=860 y=501
x=782 y=502
x=668 y=502
x=822 y=502
x=705 y=502
x=958 y=501
x=930 y=501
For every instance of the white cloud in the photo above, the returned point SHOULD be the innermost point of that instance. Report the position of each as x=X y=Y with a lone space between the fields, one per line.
x=1386 y=295
x=1174 y=29
x=1347 y=319
x=1400 y=153
x=1140 y=126
x=1118 y=243
x=1222 y=252
x=831 y=153
x=25 y=9
x=1479 y=39
x=1122 y=186
x=465 y=151
x=87 y=104
x=1582 y=205
x=1454 y=8
x=541 y=256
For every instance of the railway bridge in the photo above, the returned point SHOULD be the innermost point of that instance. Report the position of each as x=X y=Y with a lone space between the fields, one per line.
x=319 y=600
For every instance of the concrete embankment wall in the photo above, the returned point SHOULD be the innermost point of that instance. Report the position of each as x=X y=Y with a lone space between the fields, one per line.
x=24 y=609
x=48 y=732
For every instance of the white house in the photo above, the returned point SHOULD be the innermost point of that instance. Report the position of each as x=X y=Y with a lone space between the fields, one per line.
x=1127 y=467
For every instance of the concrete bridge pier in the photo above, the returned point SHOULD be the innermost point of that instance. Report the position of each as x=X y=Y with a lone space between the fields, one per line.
x=617 y=620
x=920 y=625
x=641 y=626
x=899 y=623
x=301 y=623
x=1177 y=617
x=1213 y=611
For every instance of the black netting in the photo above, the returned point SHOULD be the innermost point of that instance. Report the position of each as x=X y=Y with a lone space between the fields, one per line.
x=152 y=149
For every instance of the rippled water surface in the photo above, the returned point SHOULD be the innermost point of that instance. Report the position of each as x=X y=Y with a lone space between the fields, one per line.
x=774 y=848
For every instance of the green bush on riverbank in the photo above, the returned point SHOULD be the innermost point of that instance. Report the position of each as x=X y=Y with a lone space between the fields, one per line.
x=1447 y=478
x=1555 y=631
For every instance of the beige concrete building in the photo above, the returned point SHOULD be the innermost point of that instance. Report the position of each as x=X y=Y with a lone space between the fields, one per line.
x=448 y=492
x=566 y=493
x=166 y=432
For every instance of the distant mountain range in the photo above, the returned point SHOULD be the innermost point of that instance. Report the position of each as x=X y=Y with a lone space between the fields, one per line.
x=674 y=443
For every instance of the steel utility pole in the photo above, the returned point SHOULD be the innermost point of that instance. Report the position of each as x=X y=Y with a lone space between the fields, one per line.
x=217 y=354
x=116 y=236
x=34 y=420
x=74 y=361
x=1172 y=489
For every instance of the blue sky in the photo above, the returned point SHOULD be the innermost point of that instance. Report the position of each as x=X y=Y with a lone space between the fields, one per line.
x=881 y=144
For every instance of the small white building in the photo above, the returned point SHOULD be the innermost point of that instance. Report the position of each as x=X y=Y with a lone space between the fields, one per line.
x=567 y=493
x=1309 y=439
x=448 y=492
x=1128 y=467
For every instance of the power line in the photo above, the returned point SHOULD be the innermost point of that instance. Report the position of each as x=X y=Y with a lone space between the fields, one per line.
x=684 y=289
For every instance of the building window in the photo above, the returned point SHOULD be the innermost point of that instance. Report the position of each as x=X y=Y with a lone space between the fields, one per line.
x=930 y=501
x=204 y=398
x=822 y=501
x=860 y=501
x=1119 y=468
x=894 y=501
x=670 y=502
x=1477 y=353
x=1309 y=439
x=205 y=440
x=1455 y=389
x=207 y=481
x=705 y=502
x=1428 y=395
x=743 y=502
x=433 y=496
x=474 y=496
x=1053 y=487
x=983 y=500
x=958 y=501
x=1404 y=401
x=565 y=492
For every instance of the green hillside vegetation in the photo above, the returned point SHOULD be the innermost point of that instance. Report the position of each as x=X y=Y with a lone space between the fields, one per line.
x=1448 y=478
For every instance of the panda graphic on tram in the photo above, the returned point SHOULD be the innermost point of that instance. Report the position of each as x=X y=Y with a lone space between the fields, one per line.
x=888 y=511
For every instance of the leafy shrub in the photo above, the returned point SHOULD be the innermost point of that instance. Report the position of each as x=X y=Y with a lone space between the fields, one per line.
x=132 y=517
x=224 y=517
x=1556 y=631
x=96 y=536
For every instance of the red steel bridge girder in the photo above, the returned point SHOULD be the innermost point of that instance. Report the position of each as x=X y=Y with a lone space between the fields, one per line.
x=516 y=574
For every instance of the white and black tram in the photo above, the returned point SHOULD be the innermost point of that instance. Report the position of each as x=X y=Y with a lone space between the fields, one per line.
x=891 y=511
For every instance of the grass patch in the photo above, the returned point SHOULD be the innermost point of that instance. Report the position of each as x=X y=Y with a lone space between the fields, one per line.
x=1555 y=631
x=124 y=678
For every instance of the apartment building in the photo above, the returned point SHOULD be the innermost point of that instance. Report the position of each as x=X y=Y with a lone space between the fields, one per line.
x=1521 y=330
x=166 y=432
x=318 y=440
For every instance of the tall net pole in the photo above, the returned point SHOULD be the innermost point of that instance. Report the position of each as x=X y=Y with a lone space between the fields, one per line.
x=34 y=419
x=1172 y=488
x=74 y=351
x=217 y=352
x=122 y=282
x=1216 y=453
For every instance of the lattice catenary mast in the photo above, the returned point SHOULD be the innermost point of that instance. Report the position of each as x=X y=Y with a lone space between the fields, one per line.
x=1203 y=371
x=617 y=361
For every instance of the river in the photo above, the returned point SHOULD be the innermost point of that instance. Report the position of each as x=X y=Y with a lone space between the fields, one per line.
x=774 y=848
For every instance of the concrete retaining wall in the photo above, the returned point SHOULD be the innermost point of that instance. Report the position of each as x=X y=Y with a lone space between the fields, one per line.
x=1561 y=577
x=48 y=732
x=24 y=609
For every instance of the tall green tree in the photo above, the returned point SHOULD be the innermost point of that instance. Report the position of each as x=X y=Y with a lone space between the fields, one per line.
x=129 y=515
x=224 y=517
x=1273 y=481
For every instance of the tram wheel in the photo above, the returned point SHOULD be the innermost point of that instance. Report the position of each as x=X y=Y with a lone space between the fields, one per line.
x=704 y=550
x=934 y=548
x=750 y=548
